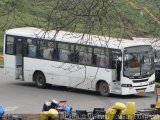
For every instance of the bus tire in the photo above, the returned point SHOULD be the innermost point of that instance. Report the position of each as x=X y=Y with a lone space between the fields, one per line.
x=40 y=80
x=104 y=88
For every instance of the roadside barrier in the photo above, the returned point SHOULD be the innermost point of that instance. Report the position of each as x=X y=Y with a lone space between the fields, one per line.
x=54 y=110
x=52 y=114
x=130 y=110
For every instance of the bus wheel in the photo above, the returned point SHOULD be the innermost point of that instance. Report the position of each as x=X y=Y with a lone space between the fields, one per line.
x=104 y=88
x=40 y=80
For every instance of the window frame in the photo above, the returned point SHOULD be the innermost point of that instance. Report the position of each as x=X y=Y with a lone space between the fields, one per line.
x=36 y=44
x=6 y=46
x=73 y=45
x=42 y=46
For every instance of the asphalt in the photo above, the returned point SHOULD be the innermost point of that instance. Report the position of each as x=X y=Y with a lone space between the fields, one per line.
x=23 y=97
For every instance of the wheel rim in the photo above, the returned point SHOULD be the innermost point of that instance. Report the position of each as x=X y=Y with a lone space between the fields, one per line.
x=40 y=80
x=104 y=88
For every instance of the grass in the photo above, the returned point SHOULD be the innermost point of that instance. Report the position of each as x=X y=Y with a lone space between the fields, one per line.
x=1 y=62
x=35 y=13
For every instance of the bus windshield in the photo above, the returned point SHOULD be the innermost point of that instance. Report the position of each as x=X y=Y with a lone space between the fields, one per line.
x=138 y=64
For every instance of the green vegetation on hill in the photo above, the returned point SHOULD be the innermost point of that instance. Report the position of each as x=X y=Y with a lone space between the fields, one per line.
x=117 y=18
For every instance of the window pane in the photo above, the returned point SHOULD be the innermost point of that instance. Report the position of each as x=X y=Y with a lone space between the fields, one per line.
x=102 y=61
x=63 y=46
x=46 y=49
x=96 y=50
x=32 y=48
x=19 y=46
x=64 y=55
x=72 y=47
x=101 y=57
x=64 y=52
x=81 y=48
x=85 y=57
x=50 y=44
x=10 y=45
x=100 y=51
x=89 y=50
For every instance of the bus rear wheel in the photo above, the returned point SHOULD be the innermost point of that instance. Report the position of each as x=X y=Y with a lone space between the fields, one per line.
x=40 y=80
x=104 y=88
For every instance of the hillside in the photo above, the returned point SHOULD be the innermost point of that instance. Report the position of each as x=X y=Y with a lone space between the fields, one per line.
x=117 y=19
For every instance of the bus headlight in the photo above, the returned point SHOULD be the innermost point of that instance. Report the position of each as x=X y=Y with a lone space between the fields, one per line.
x=152 y=82
x=126 y=85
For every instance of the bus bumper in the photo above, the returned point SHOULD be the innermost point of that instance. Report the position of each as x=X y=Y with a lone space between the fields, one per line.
x=138 y=90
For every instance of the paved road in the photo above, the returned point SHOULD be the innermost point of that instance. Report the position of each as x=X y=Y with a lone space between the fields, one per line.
x=23 y=97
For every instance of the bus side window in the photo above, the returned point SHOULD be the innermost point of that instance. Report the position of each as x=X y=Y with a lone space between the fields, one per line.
x=74 y=54
x=64 y=52
x=32 y=51
x=96 y=56
x=89 y=58
x=32 y=48
x=64 y=55
x=71 y=57
x=113 y=64
x=10 y=45
x=101 y=57
x=103 y=62
x=94 y=59
x=85 y=58
x=82 y=54
x=56 y=54
x=98 y=60
x=47 y=53
x=82 y=58
x=114 y=60
x=46 y=49
x=74 y=57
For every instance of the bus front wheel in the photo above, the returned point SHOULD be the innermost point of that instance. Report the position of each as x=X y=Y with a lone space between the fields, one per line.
x=40 y=80
x=104 y=88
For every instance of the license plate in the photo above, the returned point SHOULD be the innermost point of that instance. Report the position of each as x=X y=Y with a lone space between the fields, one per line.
x=140 y=91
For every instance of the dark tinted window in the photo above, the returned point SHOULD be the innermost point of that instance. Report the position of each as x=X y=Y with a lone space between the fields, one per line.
x=101 y=57
x=64 y=52
x=46 y=49
x=10 y=45
x=32 y=48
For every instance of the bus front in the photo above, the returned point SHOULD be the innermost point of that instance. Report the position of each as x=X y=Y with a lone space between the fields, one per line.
x=138 y=75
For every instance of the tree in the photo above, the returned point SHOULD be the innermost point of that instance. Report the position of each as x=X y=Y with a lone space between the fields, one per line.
x=119 y=19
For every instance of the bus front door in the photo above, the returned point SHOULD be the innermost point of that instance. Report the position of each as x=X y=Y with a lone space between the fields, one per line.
x=19 y=58
x=116 y=72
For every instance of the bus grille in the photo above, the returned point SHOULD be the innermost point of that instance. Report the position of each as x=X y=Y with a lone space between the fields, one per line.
x=141 y=89
x=143 y=80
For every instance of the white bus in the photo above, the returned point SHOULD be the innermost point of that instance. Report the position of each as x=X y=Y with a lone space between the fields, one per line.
x=80 y=61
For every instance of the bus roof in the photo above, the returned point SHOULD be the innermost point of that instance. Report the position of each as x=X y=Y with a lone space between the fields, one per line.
x=155 y=42
x=80 y=38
